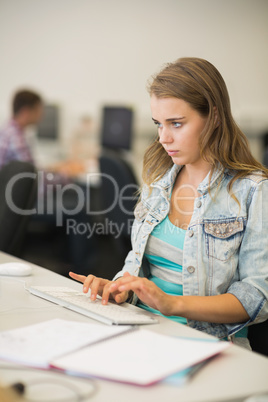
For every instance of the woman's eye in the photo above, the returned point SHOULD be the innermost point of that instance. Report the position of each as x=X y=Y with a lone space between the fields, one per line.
x=176 y=124
x=159 y=125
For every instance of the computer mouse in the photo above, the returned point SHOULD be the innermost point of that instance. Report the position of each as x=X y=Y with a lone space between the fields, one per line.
x=15 y=269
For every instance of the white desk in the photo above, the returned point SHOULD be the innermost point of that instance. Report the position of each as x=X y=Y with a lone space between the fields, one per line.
x=233 y=375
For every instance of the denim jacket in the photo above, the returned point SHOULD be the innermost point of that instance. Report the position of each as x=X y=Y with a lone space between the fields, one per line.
x=226 y=244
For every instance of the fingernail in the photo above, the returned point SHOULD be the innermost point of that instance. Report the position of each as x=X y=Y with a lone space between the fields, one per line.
x=84 y=289
x=93 y=296
x=104 y=301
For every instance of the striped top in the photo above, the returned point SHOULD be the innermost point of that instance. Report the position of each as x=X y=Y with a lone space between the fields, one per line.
x=164 y=252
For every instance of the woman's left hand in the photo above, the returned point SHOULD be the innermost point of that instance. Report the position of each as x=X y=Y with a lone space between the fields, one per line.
x=146 y=291
x=224 y=308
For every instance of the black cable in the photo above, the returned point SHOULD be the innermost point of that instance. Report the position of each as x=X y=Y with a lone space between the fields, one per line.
x=77 y=396
x=18 y=387
x=21 y=388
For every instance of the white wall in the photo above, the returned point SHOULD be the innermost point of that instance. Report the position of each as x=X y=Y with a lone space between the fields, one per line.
x=85 y=53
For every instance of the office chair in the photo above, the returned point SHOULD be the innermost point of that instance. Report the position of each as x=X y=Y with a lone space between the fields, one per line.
x=258 y=337
x=23 y=194
x=265 y=148
x=118 y=197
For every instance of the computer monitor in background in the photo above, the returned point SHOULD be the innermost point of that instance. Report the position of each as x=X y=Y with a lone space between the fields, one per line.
x=48 y=127
x=47 y=149
x=116 y=132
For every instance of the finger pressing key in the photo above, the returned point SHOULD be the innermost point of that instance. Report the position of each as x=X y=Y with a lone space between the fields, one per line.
x=89 y=279
x=106 y=293
x=95 y=288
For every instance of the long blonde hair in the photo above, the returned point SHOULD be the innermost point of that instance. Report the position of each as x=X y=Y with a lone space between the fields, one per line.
x=199 y=83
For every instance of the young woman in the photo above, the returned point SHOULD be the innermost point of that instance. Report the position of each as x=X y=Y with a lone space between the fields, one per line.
x=200 y=237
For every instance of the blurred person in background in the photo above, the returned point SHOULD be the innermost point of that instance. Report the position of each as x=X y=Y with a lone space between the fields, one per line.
x=26 y=110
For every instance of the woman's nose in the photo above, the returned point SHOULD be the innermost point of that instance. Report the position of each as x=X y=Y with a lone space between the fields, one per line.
x=165 y=136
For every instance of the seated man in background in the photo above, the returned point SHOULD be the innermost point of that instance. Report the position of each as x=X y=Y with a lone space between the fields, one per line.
x=26 y=110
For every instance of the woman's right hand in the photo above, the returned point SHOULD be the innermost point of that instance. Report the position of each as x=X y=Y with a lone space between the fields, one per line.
x=100 y=286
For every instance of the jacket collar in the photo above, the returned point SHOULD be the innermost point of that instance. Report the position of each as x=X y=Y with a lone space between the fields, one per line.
x=167 y=181
x=210 y=183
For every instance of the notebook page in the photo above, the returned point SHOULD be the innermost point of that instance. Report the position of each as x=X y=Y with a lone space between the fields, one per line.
x=140 y=357
x=35 y=345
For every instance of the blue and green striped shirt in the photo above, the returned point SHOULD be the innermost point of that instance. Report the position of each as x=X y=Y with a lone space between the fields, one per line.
x=164 y=252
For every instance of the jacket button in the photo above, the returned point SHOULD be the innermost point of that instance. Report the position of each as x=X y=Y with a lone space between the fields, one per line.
x=191 y=269
x=198 y=203
x=190 y=233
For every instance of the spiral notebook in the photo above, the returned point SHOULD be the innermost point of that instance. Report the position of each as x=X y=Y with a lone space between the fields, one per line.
x=125 y=354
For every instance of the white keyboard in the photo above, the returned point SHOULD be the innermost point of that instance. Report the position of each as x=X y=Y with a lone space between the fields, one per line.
x=110 y=313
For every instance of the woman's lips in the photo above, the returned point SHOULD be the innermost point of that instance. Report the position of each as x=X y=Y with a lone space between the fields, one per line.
x=172 y=153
